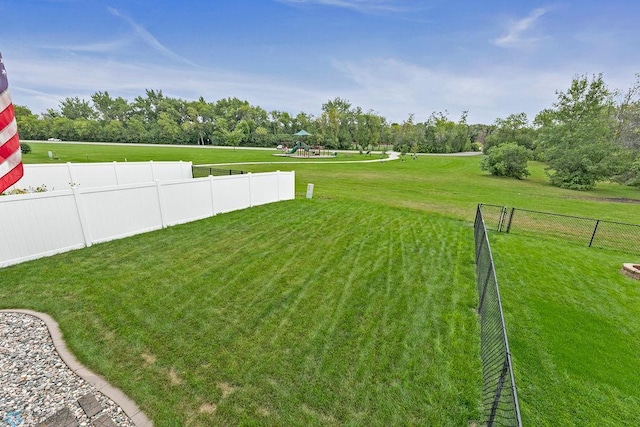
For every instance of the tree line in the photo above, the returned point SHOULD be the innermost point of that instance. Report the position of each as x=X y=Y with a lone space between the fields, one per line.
x=156 y=118
x=589 y=134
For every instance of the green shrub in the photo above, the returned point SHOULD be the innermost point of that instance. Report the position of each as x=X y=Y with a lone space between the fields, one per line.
x=508 y=160
x=25 y=148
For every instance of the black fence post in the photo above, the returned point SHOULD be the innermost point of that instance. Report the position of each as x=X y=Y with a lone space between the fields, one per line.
x=595 y=229
x=513 y=211
x=503 y=215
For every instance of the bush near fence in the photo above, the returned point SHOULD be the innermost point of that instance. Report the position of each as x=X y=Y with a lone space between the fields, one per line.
x=499 y=394
x=590 y=232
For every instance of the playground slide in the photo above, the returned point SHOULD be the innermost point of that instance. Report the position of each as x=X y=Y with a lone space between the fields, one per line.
x=295 y=148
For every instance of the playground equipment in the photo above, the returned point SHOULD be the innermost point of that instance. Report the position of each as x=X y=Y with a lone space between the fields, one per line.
x=298 y=145
x=300 y=149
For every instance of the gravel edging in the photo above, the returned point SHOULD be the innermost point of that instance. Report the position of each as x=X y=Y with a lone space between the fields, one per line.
x=39 y=377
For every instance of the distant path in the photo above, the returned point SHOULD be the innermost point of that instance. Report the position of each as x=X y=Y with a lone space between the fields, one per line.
x=392 y=156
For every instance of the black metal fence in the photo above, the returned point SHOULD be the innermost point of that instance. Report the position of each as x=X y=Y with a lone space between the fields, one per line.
x=203 y=171
x=591 y=232
x=499 y=394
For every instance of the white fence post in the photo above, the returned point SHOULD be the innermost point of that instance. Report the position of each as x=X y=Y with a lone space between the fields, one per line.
x=250 y=192
x=84 y=226
x=161 y=204
x=72 y=181
x=153 y=175
x=115 y=170
x=211 y=192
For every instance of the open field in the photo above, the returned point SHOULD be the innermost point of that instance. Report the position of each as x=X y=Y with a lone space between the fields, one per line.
x=443 y=184
x=102 y=152
x=352 y=308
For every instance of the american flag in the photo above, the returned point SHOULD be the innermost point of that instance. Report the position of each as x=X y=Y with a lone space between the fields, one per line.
x=10 y=155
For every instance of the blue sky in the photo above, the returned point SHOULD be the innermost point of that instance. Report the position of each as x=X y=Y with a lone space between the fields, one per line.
x=491 y=58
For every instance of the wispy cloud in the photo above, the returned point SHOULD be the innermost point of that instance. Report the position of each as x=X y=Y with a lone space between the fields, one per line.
x=362 y=6
x=148 y=38
x=41 y=82
x=99 y=47
x=398 y=88
x=517 y=34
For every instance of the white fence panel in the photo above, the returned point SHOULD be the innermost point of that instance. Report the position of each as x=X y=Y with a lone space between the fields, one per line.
x=44 y=224
x=165 y=171
x=115 y=212
x=54 y=177
x=231 y=193
x=89 y=175
x=60 y=176
x=287 y=186
x=264 y=188
x=37 y=225
x=132 y=173
x=184 y=201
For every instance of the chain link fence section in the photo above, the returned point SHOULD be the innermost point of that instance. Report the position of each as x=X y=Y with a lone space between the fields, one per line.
x=204 y=171
x=590 y=232
x=494 y=216
x=617 y=236
x=499 y=394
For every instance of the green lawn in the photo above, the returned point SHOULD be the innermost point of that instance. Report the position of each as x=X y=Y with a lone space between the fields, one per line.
x=572 y=320
x=297 y=313
x=356 y=307
x=102 y=152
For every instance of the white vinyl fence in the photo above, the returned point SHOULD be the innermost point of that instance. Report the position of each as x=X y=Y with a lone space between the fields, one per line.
x=63 y=176
x=41 y=224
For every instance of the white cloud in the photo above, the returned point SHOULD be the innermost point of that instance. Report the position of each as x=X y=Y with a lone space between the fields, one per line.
x=396 y=88
x=41 y=82
x=102 y=47
x=148 y=38
x=517 y=31
x=391 y=87
x=363 y=6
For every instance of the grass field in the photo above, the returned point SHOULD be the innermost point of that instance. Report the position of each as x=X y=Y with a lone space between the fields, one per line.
x=573 y=326
x=298 y=313
x=442 y=184
x=353 y=308
x=97 y=152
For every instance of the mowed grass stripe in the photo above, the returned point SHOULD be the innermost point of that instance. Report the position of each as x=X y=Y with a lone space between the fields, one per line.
x=302 y=312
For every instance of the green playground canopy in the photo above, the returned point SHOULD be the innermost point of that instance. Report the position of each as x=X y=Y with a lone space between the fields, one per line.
x=302 y=133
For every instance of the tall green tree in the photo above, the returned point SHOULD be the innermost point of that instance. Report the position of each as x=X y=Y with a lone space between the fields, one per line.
x=338 y=123
x=109 y=108
x=76 y=108
x=513 y=128
x=577 y=135
x=442 y=135
x=627 y=136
